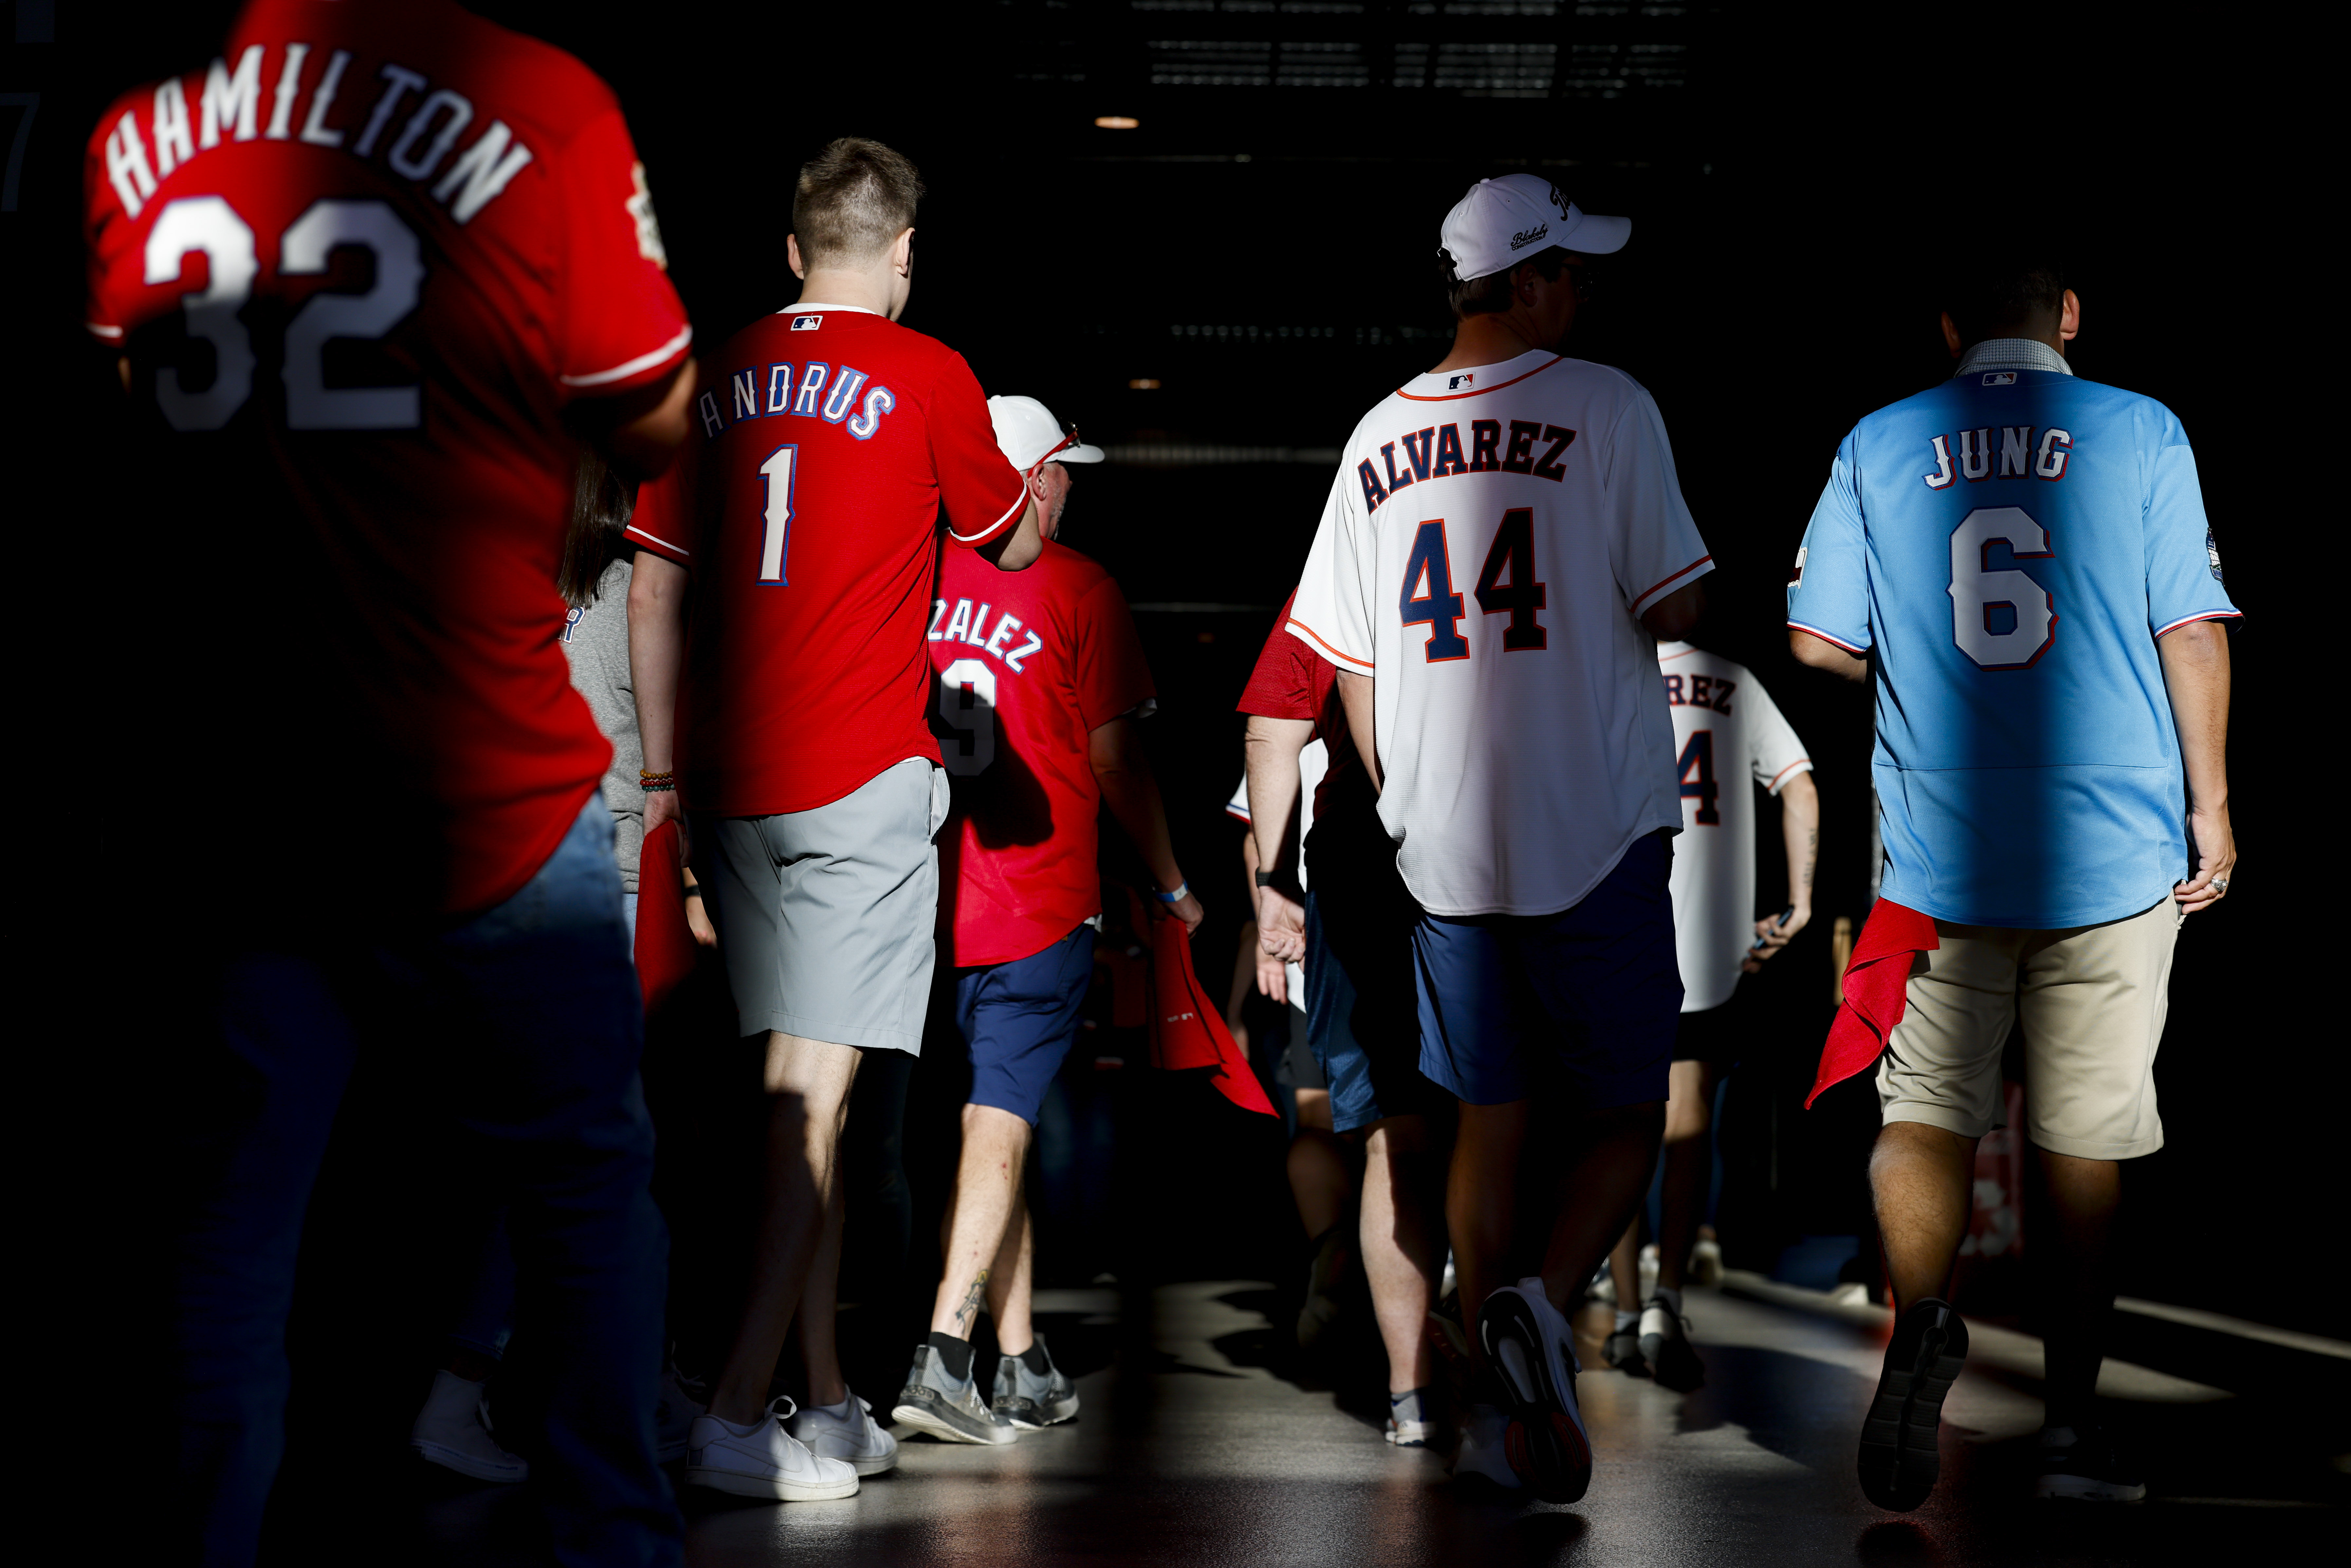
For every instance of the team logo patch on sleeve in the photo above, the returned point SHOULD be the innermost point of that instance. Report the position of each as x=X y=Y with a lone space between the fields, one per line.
x=2212 y=554
x=807 y=323
x=1796 y=574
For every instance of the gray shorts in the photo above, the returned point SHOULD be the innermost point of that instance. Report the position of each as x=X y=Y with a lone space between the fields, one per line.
x=826 y=916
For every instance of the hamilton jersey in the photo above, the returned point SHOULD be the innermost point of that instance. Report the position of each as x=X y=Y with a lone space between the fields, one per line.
x=1489 y=545
x=826 y=441
x=359 y=265
x=1727 y=730
x=2008 y=547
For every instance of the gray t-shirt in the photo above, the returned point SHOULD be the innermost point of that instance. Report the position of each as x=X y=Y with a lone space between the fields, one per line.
x=596 y=641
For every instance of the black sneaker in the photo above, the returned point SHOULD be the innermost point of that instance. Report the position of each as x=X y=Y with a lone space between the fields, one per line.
x=1531 y=1349
x=1899 y=1455
x=2080 y=1464
x=1622 y=1350
x=1033 y=1401
x=1665 y=1346
x=949 y=1408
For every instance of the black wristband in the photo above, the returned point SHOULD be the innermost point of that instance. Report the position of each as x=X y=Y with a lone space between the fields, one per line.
x=693 y=890
x=1267 y=878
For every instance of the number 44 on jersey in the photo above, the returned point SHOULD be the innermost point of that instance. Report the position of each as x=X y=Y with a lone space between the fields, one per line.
x=1508 y=584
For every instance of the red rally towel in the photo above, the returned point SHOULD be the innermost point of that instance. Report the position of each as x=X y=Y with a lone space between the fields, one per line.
x=1875 y=982
x=664 y=942
x=1187 y=1032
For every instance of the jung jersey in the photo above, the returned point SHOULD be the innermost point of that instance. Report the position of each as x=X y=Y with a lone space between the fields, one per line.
x=1727 y=730
x=2007 y=546
x=1489 y=543
x=359 y=265
x=807 y=505
x=1030 y=663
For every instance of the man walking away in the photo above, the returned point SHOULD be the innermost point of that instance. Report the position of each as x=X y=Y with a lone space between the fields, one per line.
x=1505 y=541
x=807 y=506
x=2029 y=767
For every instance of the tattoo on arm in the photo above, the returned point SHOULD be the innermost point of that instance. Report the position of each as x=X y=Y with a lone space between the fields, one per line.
x=968 y=1313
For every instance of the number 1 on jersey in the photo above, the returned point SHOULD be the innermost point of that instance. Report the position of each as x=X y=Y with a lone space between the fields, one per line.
x=776 y=512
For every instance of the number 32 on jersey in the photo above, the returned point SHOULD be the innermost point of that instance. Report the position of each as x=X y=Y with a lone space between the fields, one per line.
x=1508 y=584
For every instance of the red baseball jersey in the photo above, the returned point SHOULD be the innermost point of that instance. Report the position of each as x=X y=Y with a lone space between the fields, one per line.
x=1290 y=680
x=808 y=508
x=360 y=263
x=1030 y=664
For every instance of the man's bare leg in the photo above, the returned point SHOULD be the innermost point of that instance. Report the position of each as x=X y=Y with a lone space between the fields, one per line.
x=1624 y=1267
x=1481 y=1202
x=1008 y=1281
x=1923 y=1179
x=807 y=1083
x=1596 y=1192
x=1318 y=1171
x=987 y=1183
x=1403 y=1252
x=2076 y=1286
x=819 y=1309
x=1690 y=1167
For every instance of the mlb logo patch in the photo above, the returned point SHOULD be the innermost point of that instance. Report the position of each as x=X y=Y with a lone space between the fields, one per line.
x=810 y=323
x=1465 y=379
x=1991 y=378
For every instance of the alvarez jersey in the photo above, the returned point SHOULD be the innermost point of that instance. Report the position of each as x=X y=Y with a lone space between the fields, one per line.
x=1727 y=730
x=806 y=505
x=1048 y=655
x=1491 y=538
x=2008 y=547
x=359 y=267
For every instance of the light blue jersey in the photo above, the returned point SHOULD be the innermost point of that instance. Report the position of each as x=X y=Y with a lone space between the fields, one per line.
x=2008 y=546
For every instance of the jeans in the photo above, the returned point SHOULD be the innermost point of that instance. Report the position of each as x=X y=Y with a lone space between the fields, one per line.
x=533 y=1008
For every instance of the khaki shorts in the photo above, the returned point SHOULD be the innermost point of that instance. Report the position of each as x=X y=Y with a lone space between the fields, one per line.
x=2092 y=1002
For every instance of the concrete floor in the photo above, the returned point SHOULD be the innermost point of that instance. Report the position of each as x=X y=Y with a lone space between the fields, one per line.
x=1190 y=1449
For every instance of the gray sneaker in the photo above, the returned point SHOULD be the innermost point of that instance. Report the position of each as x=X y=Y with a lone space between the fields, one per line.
x=1033 y=1401
x=946 y=1408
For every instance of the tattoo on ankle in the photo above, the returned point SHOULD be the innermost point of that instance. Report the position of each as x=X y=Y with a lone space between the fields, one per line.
x=968 y=1313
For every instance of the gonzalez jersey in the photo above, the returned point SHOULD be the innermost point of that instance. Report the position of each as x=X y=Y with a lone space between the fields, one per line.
x=1030 y=663
x=359 y=265
x=1491 y=538
x=1727 y=730
x=2008 y=547
x=807 y=505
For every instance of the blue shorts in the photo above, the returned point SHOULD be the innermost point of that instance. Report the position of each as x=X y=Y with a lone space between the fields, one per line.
x=1019 y=1019
x=1592 y=995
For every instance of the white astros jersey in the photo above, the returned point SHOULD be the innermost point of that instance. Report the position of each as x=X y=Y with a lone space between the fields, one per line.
x=1490 y=540
x=1727 y=730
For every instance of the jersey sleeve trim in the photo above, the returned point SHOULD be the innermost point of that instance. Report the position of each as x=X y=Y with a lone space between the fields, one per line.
x=1650 y=596
x=1802 y=764
x=1297 y=628
x=100 y=329
x=671 y=349
x=1011 y=513
x=2203 y=615
x=1238 y=813
x=1481 y=391
x=659 y=546
x=1826 y=637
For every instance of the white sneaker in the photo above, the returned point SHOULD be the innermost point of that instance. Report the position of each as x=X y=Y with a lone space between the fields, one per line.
x=453 y=1431
x=1706 y=1262
x=763 y=1460
x=855 y=1439
x=674 y=1416
x=1481 y=1453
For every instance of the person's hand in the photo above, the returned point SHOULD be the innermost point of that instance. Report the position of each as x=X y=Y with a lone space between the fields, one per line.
x=2214 y=844
x=1272 y=977
x=1187 y=909
x=1280 y=925
x=697 y=915
x=661 y=806
x=1773 y=933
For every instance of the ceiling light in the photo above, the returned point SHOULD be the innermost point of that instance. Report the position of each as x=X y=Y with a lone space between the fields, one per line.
x=1117 y=122
x=1143 y=383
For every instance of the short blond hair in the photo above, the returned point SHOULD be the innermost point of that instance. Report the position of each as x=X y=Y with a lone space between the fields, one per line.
x=852 y=200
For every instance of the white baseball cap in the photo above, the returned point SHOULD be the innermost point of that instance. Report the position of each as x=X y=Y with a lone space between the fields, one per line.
x=1027 y=433
x=1500 y=222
